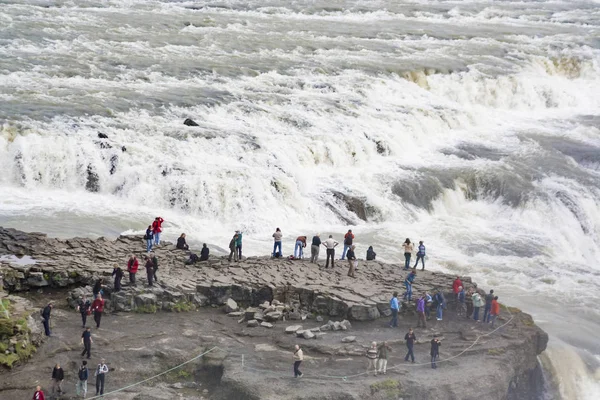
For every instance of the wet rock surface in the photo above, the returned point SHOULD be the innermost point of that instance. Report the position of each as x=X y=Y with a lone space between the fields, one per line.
x=247 y=308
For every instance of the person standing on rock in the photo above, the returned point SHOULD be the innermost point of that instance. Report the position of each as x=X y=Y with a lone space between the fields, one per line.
x=84 y=307
x=154 y=266
x=421 y=255
x=39 y=393
x=408 y=282
x=101 y=371
x=46 y=318
x=476 y=305
x=469 y=302
x=58 y=375
x=435 y=351
x=352 y=261
x=118 y=274
x=314 y=248
x=232 y=251
x=428 y=304
x=149 y=271
x=494 y=310
x=395 y=307
x=421 y=312
x=149 y=238
x=238 y=244
x=372 y=358
x=488 y=306
x=408 y=249
x=330 y=246
x=98 y=287
x=157 y=229
x=410 y=343
x=299 y=248
x=298 y=358
x=132 y=268
x=455 y=287
x=98 y=308
x=83 y=375
x=86 y=340
x=371 y=254
x=348 y=238
x=382 y=355
x=441 y=304
x=204 y=252
x=277 y=242
x=461 y=307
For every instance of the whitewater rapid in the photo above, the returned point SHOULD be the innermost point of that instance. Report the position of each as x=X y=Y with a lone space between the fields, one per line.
x=471 y=125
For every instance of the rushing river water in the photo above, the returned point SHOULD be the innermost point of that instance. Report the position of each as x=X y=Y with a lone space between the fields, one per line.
x=472 y=125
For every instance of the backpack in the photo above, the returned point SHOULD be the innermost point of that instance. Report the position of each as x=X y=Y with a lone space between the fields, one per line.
x=278 y=255
x=83 y=374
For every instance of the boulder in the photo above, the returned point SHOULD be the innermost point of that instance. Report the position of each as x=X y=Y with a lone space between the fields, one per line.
x=315 y=330
x=319 y=318
x=235 y=314
x=190 y=122
x=325 y=327
x=293 y=328
x=345 y=324
x=250 y=312
x=231 y=306
x=264 y=305
x=361 y=312
x=295 y=316
x=252 y=323
x=349 y=339
x=319 y=335
x=259 y=316
x=273 y=316
x=336 y=326
x=306 y=334
x=37 y=279
x=266 y=325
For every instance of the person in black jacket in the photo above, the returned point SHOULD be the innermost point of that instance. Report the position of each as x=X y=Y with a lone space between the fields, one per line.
x=86 y=340
x=98 y=287
x=118 y=274
x=371 y=254
x=154 y=266
x=149 y=270
x=204 y=253
x=83 y=306
x=46 y=318
x=352 y=262
x=435 y=350
x=83 y=376
x=181 y=244
x=58 y=375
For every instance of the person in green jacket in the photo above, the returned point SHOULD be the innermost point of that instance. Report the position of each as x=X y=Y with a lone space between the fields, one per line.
x=238 y=244
x=477 y=303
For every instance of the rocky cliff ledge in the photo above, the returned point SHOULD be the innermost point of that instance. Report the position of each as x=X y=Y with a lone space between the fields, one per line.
x=271 y=297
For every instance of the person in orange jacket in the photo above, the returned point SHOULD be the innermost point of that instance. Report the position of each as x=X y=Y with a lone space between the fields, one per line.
x=132 y=268
x=495 y=310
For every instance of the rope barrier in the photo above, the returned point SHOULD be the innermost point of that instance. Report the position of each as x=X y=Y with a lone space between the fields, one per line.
x=155 y=376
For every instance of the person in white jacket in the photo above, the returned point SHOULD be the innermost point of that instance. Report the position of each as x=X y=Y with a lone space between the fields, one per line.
x=330 y=246
x=298 y=358
x=277 y=242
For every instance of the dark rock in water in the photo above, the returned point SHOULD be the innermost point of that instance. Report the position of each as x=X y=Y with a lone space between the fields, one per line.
x=104 y=145
x=382 y=148
x=123 y=149
x=102 y=135
x=114 y=161
x=92 y=184
x=190 y=122
x=354 y=204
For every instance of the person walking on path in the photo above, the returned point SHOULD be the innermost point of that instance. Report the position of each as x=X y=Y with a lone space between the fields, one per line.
x=39 y=394
x=372 y=358
x=348 y=238
x=410 y=342
x=181 y=243
x=132 y=268
x=98 y=308
x=477 y=303
x=232 y=253
x=204 y=253
x=149 y=238
x=84 y=308
x=435 y=351
x=421 y=255
x=314 y=248
x=58 y=375
x=157 y=229
x=154 y=266
x=298 y=358
x=330 y=246
x=461 y=307
x=371 y=254
x=46 y=318
x=494 y=310
x=299 y=248
x=408 y=282
x=421 y=312
x=83 y=375
x=86 y=340
x=408 y=249
x=352 y=261
x=382 y=355
x=101 y=371
x=118 y=274
x=441 y=304
x=488 y=306
x=277 y=242
x=395 y=307
x=238 y=244
x=149 y=271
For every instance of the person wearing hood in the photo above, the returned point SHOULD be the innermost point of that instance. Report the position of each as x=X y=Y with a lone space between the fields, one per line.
x=371 y=254
x=46 y=318
x=277 y=242
x=149 y=271
x=157 y=229
x=314 y=248
x=118 y=274
x=204 y=252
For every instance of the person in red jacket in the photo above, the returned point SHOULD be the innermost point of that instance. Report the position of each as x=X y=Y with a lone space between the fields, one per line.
x=495 y=310
x=132 y=267
x=157 y=229
x=98 y=308
x=456 y=288
x=38 y=395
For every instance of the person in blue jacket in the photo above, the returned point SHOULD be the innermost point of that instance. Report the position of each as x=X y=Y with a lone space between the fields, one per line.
x=408 y=284
x=421 y=255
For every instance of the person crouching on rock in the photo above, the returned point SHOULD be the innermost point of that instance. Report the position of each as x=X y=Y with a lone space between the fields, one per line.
x=181 y=243
x=149 y=271
x=352 y=261
x=371 y=254
x=299 y=248
x=298 y=358
x=118 y=274
x=98 y=308
x=372 y=357
x=204 y=252
x=132 y=268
